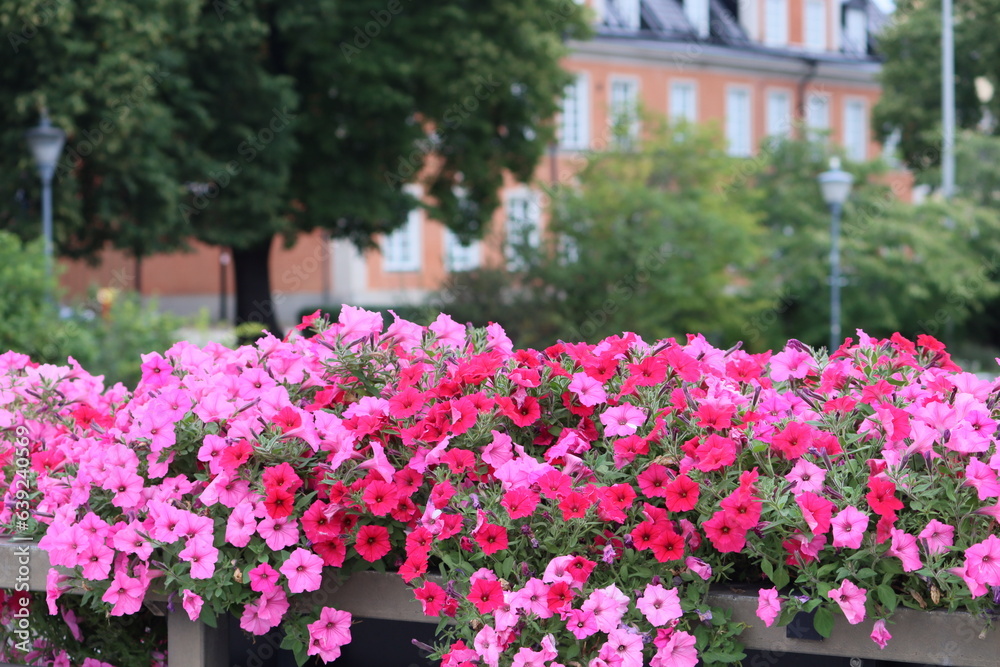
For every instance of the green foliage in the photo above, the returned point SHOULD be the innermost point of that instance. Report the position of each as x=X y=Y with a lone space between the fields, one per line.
x=906 y=268
x=238 y=121
x=32 y=323
x=654 y=241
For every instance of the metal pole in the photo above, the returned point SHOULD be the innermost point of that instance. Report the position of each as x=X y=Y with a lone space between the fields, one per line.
x=947 y=99
x=47 y=220
x=835 y=338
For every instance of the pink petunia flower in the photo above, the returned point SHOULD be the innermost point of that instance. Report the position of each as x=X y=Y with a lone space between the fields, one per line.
x=589 y=391
x=937 y=537
x=623 y=648
x=678 y=651
x=192 y=603
x=699 y=567
x=806 y=476
x=659 y=605
x=982 y=561
x=202 y=556
x=879 y=634
x=851 y=600
x=581 y=623
x=304 y=571
x=125 y=594
x=622 y=420
x=768 y=605
x=327 y=634
x=849 y=526
x=263 y=578
x=904 y=546
x=487 y=645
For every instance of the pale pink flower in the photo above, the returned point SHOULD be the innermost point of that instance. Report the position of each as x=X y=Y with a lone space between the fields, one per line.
x=125 y=594
x=879 y=634
x=331 y=631
x=768 y=605
x=304 y=571
x=623 y=649
x=791 y=363
x=849 y=526
x=192 y=603
x=241 y=525
x=589 y=392
x=622 y=420
x=982 y=561
x=127 y=540
x=938 y=537
x=679 y=651
x=904 y=547
x=532 y=598
x=278 y=533
x=806 y=476
x=487 y=645
x=851 y=600
x=699 y=567
x=202 y=556
x=659 y=605
x=127 y=487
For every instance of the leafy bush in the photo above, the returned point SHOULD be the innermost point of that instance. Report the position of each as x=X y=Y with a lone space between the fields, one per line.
x=33 y=323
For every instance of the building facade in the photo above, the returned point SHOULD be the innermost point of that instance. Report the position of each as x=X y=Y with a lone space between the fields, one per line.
x=755 y=68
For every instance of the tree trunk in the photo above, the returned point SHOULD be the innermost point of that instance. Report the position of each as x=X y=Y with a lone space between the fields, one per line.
x=253 y=286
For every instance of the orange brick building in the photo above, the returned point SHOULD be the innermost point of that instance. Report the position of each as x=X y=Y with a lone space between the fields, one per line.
x=756 y=68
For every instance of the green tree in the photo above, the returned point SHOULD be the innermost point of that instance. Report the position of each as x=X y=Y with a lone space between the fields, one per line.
x=280 y=117
x=911 y=75
x=659 y=241
x=101 y=68
x=906 y=268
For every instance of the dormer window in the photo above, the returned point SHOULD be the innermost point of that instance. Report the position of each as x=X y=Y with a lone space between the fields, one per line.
x=622 y=14
x=856 y=27
x=697 y=14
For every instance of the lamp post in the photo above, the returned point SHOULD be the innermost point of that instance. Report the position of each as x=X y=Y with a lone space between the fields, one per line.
x=835 y=185
x=46 y=143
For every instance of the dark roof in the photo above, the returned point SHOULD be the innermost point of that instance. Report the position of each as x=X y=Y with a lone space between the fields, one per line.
x=666 y=20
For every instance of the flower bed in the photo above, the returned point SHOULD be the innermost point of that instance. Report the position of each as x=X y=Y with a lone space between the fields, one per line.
x=578 y=501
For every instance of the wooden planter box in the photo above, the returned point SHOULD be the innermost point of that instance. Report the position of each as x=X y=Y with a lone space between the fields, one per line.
x=931 y=638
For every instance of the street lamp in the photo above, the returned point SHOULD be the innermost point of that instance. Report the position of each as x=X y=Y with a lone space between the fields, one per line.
x=46 y=143
x=835 y=185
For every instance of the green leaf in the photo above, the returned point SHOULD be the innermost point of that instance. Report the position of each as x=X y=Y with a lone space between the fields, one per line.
x=866 y=573
x=780 y=578
x=887 y=596
x=823 y=621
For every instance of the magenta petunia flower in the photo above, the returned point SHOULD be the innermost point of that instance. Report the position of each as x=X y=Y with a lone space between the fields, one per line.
x=125 y=594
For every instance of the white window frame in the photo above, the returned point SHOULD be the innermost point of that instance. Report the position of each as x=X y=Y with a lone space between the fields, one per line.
x=779 y=120
x=522 y=215
x=817 y=116
x=576 y=109
x=739 y=132
x=814 y=28
x=458 y=257
x=402 y=249
x=632 y=112
x=776 y=22
x=683 y=102
x=856 y=138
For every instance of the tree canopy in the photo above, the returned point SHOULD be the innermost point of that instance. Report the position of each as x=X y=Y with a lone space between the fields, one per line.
x=238 y=120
